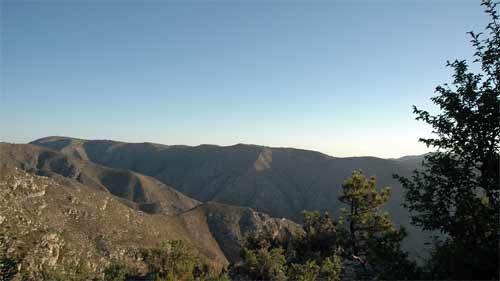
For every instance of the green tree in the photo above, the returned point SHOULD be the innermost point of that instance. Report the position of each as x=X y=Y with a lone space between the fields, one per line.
x=116 y=271
x=263 y=258
x=308 y=271
x=331 y=269
x=318 y=243
x=457 y=190
x=170 y=261
x=310 y=254
x=262 y=262
x=318 y=240
x=76 y=272
x=369 y=236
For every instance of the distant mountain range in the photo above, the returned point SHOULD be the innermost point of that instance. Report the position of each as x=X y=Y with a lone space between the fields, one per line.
x=281 y=182
x=210 y=196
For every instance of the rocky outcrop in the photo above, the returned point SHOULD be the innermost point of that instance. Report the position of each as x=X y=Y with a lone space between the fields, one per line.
x=231 y=225
x=48 y=225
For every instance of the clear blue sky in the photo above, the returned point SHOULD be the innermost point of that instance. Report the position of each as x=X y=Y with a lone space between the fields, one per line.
x=334 y=76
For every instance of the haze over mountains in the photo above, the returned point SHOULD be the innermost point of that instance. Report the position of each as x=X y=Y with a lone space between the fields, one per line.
x=281 y=182
x=210 y=196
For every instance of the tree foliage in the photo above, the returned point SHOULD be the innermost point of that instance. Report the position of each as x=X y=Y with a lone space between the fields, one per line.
x=331 y=268
x=116 y=271
x=318 y=240
x=368 y=235
x=307 y=271
x=263 y=259
x=171 y=260
x=174 y=260
x=362 y=220
x=309 y=255
x=363 y=241
x=8 y=264
x=457 y=191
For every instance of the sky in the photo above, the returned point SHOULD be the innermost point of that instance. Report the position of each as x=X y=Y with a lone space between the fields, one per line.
x=338 y=77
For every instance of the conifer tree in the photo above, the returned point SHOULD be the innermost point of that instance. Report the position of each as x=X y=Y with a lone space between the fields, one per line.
x=369 y=236
x=308 y=271
x=318 y=240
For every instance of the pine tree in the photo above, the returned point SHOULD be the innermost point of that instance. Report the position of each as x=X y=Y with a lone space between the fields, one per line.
x=318 y=240
x=263 y=264
x=369 y=236
x=172 y=260
x=331 y=269
x=311 y=254
x=308 y=271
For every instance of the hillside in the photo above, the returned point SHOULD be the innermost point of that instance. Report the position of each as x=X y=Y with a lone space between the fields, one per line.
x=281 y=182
x=215 y=230
x=230 y=225
x=49 y=224
x=142 y=192
x=411 y=161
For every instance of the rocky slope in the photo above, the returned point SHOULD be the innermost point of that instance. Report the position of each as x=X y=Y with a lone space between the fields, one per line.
x=139 y=191
x=79 y=204
x=230 y=225
x=47 y=224
x=281 y=182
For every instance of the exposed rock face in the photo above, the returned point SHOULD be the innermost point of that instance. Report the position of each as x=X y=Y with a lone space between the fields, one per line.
x=49 y=249
x=48 y=225
x=230 y=225
x=264 y=160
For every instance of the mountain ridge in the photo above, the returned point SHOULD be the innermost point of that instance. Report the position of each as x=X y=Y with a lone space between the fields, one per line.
x=56 y=137
x=130 y=155
x=281 y=182
x=217 y=239
x=147 y=193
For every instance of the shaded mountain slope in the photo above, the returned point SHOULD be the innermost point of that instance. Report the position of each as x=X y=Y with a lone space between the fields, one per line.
x=142 y=192
x=412 y=161
x=281 y=182
x=230 y=225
